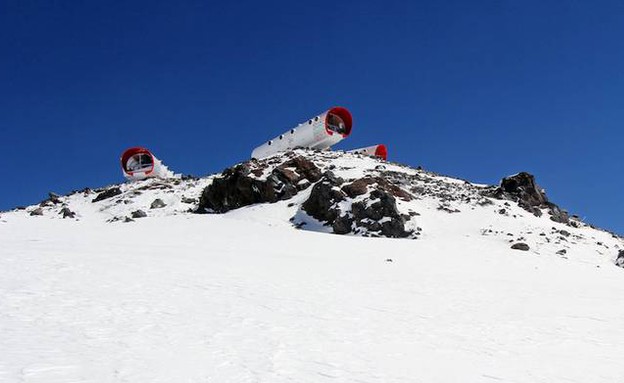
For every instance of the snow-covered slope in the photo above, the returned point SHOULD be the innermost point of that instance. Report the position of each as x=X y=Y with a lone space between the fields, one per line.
x=246 y=296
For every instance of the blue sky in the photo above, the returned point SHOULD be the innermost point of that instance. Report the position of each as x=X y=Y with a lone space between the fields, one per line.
x=476 y=90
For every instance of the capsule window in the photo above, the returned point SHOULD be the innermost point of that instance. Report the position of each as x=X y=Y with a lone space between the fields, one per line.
x=316 y=118
x=309 y=122
x=269 y=143
x=281 y=136
x=292 y=131
x=336 y=124
x=139 y=162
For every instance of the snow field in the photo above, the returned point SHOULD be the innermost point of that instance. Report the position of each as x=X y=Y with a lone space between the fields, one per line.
x=228 y=298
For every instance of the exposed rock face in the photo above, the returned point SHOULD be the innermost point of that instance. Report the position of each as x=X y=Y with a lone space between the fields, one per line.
x=371 y=205
x=523 y=189
x=619 y=261
x=366 y=205
x=381 y=215
x=243 y=185
x=323 y=200
x=378 y=212
x=360 y=186
x=297 y=170
x=108 y=193
x=366 y=201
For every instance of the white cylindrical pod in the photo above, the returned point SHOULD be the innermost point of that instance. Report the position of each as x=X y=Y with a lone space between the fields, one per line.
x=374 y=151
x=320 y=132
x=139 y=163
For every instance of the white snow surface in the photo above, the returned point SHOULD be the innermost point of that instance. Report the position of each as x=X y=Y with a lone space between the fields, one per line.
x=246 y=297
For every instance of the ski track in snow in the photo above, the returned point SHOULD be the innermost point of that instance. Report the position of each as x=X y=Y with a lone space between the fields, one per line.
x=244 y=297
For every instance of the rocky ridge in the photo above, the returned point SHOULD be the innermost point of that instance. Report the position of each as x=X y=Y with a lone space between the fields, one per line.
x=351 y=194
x=366 y=203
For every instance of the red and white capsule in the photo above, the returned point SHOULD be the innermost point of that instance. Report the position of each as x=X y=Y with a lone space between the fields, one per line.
x=320 y=132
x=374 y=151
x=139 y=163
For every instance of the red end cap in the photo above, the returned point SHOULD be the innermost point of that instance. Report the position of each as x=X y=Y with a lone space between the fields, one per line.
x=382 y=152
x=131 y=152
x=345 y=115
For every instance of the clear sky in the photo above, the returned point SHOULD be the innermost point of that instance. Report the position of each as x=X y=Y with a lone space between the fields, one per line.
x=472 y=89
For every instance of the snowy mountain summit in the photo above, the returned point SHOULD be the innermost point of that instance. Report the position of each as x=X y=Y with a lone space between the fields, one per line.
x=309 y=266
x=346 y=193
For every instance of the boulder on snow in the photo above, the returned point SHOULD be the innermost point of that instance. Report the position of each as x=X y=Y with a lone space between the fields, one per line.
x=188 y=200
x=244 y=184
x=138 y=214
x=619 y=261
x=108 y=193
x=157 y=204
x=520 y=246
x=67 y=213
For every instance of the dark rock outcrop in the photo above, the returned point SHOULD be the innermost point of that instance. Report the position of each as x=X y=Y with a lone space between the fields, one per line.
x=138 y=214
x=370 y=206
x=381 y=215
x=108 y=193
x=557 y=214
x=360 y=186
x=297 y=170
x=523 y=189
x=67 y=213
x=37 y=211
x=242 y=185
x=54 y=198
x=343 y=224
x=377 y=213
x=323 y=200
